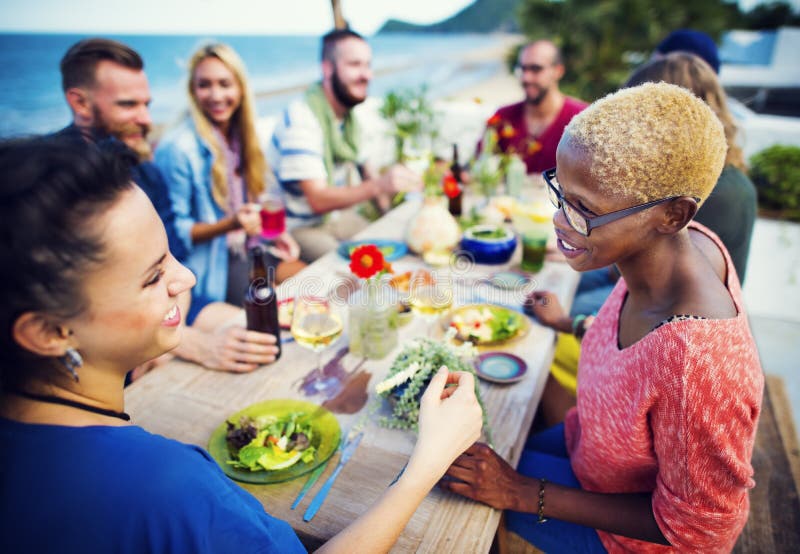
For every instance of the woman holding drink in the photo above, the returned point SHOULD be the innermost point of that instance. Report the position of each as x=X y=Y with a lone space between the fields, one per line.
x=76 y=475
x=656 y=455
x=217 y=175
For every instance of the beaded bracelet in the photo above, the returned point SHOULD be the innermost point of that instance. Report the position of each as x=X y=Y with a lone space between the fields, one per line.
x=577 y=325
x=542 y=482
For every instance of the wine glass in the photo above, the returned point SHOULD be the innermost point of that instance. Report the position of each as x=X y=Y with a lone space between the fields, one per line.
x=316 y=324
x=430 y=294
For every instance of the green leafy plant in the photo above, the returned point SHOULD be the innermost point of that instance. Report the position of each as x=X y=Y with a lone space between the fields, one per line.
x=776 y=174
x=413 y=369
x=411 y=116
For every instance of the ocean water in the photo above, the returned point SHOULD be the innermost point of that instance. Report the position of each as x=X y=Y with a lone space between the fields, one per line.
x=33 y=101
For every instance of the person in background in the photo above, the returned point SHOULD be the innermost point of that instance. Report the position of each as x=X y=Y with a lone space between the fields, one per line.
x=315 y=152
x=65 y=347
x=533 y=127
x=729 y=211
x=216 y=173
x=656 y=457
x=694 y=42
x=108 y=94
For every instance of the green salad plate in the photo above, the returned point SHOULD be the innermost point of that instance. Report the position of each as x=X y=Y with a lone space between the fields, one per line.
x=326 y=435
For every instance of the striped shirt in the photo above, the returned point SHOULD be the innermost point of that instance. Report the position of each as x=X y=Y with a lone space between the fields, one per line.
x=295 y=154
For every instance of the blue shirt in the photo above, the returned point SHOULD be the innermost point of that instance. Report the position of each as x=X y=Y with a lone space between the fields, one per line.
x=185 y=162
x=122 y=489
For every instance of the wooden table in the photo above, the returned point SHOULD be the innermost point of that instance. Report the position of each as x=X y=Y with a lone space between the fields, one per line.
x=187 y=402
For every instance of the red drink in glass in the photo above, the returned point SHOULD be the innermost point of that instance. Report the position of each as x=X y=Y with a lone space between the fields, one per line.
x=273 y=217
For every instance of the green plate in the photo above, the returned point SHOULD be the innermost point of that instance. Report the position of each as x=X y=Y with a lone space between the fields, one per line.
x=498 y=311
x=326 y=439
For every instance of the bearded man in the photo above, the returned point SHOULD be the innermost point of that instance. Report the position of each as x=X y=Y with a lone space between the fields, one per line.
x=108 y=93
x=315 y=155
x=533 y=127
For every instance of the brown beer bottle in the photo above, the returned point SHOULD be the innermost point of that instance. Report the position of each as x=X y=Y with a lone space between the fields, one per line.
x=454 y=202
x=261 y=300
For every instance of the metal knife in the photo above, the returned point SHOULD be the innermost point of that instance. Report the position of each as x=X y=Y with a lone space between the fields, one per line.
x=347 y=453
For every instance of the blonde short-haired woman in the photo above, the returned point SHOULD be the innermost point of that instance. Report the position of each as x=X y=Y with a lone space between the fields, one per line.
x=656 y=455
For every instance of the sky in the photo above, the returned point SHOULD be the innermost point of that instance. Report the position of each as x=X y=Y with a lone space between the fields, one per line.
x=285 y=17
x=273 y=17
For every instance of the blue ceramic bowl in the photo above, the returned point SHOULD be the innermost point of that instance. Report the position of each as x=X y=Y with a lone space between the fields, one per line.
x=490 y=250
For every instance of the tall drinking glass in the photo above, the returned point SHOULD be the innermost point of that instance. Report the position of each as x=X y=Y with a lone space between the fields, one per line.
x=316 y=325
x=273 y=216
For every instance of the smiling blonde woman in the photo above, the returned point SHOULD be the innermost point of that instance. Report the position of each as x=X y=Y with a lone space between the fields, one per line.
x=216 y=172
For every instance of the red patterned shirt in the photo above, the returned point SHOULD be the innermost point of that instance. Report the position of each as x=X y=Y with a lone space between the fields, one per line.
x=538 y=153
x=673 y=414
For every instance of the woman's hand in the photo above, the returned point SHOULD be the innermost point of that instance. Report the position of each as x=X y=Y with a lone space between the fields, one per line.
x=249 y=218
x=482 y=475
x=285 y=248
x=450 y=420
x=236 y=349
x=547 y=310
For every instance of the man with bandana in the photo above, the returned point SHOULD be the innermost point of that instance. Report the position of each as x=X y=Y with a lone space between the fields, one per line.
x=533 y=127
x=314 y=152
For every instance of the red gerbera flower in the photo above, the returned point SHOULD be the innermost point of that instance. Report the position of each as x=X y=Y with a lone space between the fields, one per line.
x=534 y=147
x=366 y=261
x=450 y=186
x=507 y=131
x=494 y=121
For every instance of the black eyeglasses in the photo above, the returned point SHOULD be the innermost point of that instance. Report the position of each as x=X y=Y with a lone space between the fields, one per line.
x=578 y=219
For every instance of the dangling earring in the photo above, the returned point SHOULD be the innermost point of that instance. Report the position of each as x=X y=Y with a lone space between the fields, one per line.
x=72 y=360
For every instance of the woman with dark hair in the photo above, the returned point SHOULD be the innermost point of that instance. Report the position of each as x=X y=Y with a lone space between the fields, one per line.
x=88 y=290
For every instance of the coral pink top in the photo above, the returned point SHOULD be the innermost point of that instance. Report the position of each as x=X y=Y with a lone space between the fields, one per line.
x=674 y=414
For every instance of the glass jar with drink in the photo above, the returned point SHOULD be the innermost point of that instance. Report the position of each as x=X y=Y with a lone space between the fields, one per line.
x=273 y=215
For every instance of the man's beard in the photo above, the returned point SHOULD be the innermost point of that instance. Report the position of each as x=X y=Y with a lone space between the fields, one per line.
x=341 y=93
x=121 y=131
x=536 y=100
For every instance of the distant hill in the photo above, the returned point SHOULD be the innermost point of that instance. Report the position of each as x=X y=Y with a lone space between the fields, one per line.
x=482 y=16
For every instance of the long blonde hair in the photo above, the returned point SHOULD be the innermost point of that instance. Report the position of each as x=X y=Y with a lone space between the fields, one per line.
x=254 y=166
x=692 y=72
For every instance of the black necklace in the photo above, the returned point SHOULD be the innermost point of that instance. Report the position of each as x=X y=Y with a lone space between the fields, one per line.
x=73 y=403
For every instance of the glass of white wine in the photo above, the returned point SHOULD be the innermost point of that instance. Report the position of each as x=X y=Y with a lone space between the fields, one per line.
x=430 y=294
x=316 y=325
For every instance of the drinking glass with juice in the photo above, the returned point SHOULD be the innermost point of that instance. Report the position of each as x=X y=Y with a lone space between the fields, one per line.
x=273 y=216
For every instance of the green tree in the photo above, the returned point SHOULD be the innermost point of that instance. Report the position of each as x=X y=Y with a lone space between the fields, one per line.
x=771 y=16
x=602 y=40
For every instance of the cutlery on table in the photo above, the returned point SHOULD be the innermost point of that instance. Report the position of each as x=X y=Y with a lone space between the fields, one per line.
x=320 y=470
x=347 y=453
x=309 y=483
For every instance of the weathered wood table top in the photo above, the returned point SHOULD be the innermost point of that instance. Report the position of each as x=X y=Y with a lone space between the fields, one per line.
x=186 y=402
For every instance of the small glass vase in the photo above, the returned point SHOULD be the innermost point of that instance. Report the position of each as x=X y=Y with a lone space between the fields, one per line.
x=372 y=320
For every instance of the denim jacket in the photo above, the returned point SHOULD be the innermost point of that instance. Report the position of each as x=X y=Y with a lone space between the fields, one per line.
x=185 y=161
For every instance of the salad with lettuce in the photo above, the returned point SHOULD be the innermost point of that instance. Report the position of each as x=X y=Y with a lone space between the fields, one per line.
x=269 y=443
x=486 y=324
